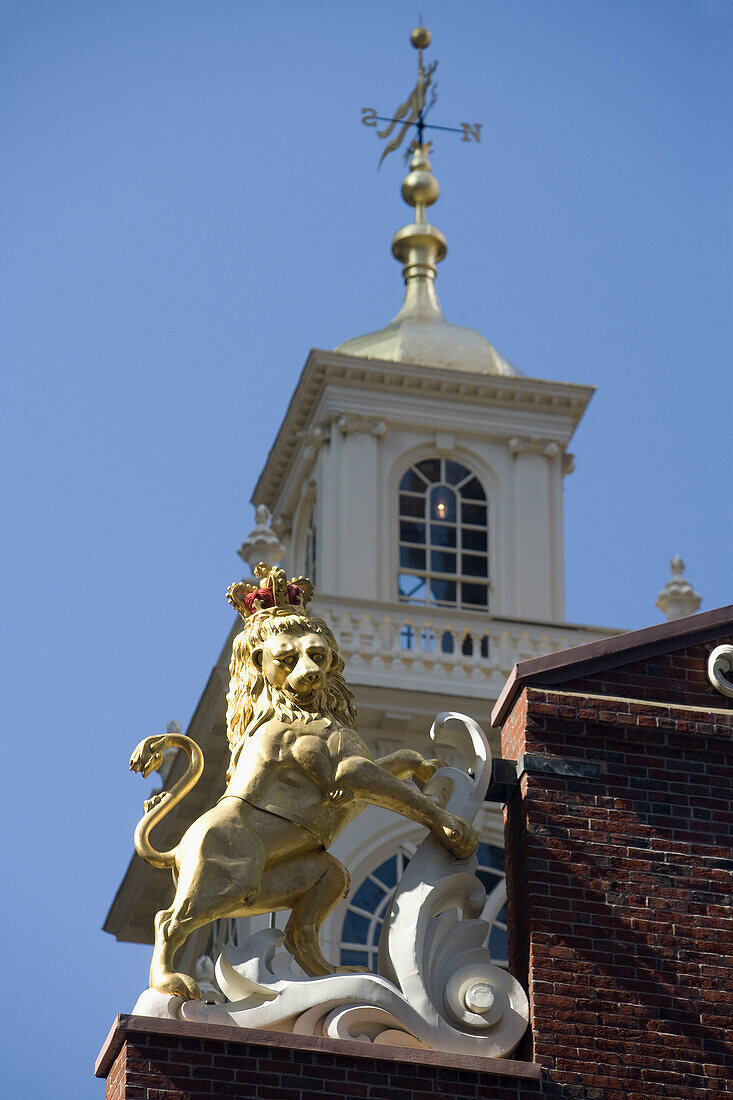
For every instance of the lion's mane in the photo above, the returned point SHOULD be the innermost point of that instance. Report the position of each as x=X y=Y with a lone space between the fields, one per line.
x=251 y=697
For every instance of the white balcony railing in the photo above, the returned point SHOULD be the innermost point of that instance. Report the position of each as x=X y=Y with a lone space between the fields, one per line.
x=439 y=649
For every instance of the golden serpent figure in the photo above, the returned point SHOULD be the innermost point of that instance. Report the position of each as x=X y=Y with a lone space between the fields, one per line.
x=299 y=773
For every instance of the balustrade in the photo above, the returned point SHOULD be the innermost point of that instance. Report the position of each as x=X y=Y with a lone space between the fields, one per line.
x=447 y=644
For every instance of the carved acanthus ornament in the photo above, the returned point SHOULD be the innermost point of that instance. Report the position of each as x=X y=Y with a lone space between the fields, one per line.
x=537 y=445
x=316 y=435
x=348 y=423
x=312 y=439
x=533 y=445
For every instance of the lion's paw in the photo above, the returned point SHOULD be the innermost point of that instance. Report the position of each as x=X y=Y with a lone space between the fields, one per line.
x=460 y=838
x=427 y=770
x=179 y=985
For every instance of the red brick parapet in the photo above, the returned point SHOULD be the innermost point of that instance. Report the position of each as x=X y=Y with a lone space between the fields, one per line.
x=152 y=1059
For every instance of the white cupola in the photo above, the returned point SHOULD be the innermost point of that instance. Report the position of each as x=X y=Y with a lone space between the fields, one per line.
x=390 y=424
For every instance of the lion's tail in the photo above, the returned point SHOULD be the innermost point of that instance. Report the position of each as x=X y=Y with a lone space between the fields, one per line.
x=146 y=758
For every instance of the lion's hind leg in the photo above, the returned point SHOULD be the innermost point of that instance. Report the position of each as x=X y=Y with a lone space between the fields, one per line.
x=220 y=862
x=311 y=885
x=162 y=975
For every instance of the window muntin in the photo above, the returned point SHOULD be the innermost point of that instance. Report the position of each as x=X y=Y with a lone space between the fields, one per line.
x=364 y=917
x=443 y=528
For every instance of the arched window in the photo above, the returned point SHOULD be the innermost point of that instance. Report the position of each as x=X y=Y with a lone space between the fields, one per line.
x=444 y=551
x=365 y=912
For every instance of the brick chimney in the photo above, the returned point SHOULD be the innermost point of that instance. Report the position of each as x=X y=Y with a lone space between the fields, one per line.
x=619 y=863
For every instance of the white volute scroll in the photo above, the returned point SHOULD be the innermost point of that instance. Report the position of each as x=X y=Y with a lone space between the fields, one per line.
x=437 y=987
x=720 y=668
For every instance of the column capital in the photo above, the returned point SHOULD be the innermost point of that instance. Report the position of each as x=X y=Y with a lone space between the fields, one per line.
x=534 y=445
x=348 y=423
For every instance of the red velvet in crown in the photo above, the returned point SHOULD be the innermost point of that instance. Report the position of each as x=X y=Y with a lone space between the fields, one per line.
x=274 y=595
x=265 y=598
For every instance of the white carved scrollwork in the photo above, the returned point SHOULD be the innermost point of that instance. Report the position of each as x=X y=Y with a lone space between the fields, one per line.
x=312 y=439
x=437 y=987
x=534 y=445
x=720 y=663
x=348 y=423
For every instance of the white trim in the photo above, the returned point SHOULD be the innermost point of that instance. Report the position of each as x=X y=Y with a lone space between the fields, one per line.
x=559 y=404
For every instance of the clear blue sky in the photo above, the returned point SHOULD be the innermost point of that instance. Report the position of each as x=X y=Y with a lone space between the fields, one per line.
x=189 y=203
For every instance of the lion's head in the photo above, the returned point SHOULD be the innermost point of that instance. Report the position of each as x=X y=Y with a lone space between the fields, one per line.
x=288 y=666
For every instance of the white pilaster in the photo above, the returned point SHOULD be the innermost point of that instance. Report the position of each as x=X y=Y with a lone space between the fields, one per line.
x=358 y=505
x=536 y=555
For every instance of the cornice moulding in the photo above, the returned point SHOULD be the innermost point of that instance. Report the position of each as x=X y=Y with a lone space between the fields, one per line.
x=428 y=414
x=567 y=399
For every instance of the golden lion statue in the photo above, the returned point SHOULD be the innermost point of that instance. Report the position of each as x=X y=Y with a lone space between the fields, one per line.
x=299 y=773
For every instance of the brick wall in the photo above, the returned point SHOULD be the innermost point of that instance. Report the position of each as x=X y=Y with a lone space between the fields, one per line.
x=676 y=677
x=146 y=1059
x=619 y=879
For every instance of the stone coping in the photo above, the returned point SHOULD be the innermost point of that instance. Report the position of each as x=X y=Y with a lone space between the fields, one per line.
x=594 y=657
x=126 y=1027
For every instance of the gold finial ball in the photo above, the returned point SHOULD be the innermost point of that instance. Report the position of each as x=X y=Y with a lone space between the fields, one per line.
x=421 y=38
x=420 y=186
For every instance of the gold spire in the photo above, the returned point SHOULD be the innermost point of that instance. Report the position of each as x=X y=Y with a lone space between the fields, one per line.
x=419 y=246
x=419 y=333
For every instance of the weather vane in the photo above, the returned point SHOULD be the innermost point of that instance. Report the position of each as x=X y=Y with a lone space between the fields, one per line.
x=414 y=110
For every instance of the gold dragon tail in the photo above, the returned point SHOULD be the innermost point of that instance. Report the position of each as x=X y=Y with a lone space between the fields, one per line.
x=147 y=758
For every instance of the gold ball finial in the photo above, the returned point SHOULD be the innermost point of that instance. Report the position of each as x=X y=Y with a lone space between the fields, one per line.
x=421 y=38
x=420 y=185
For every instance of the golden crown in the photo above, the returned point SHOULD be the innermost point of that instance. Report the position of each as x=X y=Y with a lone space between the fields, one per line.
x=274 y=596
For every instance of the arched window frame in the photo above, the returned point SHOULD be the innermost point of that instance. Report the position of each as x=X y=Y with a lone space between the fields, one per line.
x=366 y=908
x=436 y=555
